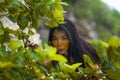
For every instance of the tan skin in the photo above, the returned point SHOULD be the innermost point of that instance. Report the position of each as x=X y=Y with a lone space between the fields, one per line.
x=60 y=41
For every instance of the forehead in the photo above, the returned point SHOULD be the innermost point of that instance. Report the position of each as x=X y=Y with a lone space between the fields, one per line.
x=59 y=32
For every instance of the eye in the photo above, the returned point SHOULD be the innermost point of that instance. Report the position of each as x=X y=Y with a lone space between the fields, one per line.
x=54 y=39
x=64 y=38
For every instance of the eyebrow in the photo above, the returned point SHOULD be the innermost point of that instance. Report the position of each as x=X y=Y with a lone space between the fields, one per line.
x=64 y=35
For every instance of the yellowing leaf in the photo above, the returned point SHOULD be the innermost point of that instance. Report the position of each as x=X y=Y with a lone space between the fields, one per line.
x=51 y=51
x=69 y=68
x=58 y=57
x=76 y=65
x=104 y=44
x=5 y=64
x=114 y=41
x=65 y=67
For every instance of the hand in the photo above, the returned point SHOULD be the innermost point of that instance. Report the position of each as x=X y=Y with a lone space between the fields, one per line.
x=31 y=44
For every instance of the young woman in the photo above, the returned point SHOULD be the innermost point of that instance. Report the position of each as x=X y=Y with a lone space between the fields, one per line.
x=70 y=44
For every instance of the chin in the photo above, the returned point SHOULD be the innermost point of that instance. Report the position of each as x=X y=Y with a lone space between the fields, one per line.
x=62 y=53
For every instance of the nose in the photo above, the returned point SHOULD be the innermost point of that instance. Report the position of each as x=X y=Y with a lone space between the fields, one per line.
x=59 y=42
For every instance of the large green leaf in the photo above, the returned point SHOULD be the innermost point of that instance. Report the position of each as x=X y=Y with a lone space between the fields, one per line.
x=15 y=44
x=22 y=21
x=69 y=68
x=114 y=75
x=41 y=53
x=51 y=52
x=114 y=41
x=58 y=57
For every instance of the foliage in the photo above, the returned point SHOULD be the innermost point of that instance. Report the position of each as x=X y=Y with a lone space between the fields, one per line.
x=22 y=62
x=105 y=18
x=110 y=56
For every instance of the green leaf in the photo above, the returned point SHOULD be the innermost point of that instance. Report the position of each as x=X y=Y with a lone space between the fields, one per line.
x=1 y=32
x=22 y=21
x=41 y=53
x=64 y=3
x=76 y=65
x=114 y=75
x=104 y=44
x=30 y=32
x=61 y=75
x=15 y=44
x=19 y=58
x=111 y=55
x=5 y=37
x=114 y=41
x=4 y=64
x=69 y=68
x=65 y=67
x=51 y=51
x=58 y=57
x=48 y=2
x=88 y=60
x=1 y=25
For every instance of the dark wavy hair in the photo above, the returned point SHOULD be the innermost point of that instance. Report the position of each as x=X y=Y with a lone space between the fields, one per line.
x=77 y=45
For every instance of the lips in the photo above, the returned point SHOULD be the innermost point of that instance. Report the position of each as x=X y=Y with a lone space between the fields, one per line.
x=60 y=49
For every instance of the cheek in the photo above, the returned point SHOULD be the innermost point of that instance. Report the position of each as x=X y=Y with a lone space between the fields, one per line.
x=55 y=44
x=65 y=44
x=62 y=44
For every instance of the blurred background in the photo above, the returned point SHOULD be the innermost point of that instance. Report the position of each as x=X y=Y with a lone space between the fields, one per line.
x=94 y=19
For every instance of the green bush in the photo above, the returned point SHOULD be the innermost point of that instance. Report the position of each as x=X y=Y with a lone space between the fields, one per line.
x=22 y=62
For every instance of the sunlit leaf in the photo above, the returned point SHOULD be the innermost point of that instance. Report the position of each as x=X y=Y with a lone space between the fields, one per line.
x=58 y=57
x=65 y=3
x=51 y=51
x=15 y=44
x=69 y=68
x=5 y=64
x=51 y=23
x=88 y=60
x=61 y=75
x=114 y=41
x=65 y=67
x=76 y=65
x=104 y=44
x=48 y=2
x=41 y=53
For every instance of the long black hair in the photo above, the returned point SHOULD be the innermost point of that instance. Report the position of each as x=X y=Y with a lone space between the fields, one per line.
x=77 y=45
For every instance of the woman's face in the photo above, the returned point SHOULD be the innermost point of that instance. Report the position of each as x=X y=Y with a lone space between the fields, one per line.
x=60 y=41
